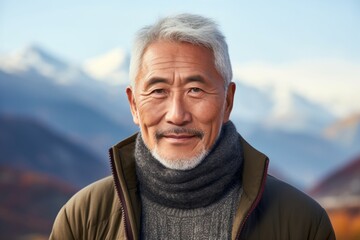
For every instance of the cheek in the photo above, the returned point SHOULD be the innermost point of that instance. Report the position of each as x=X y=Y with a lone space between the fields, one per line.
x=209 y=111
x=150 y=113
x=210 y=116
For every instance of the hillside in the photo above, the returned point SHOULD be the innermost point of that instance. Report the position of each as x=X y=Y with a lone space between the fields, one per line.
x=339 y=194
x=28 y=144
x=78 y=112
x=340 y=189
x=29 y=202
x=302 y=156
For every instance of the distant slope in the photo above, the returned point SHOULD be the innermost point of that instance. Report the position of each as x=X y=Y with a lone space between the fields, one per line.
x=341 y=188
x=29 y=202
x=339 y=194
x=279 y=121
x=62 y=108
x=346 y=132
x=27 y=144
x=302 y=156
x=280 y=109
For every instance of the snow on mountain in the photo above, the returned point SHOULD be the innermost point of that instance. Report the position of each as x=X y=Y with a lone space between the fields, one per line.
x=32 y=83
x=36 y=63
x=345 y=132
x=277 y=120
x=112 y=67
x=331 y=83
x=275 y=106
x=278 y=107
x=35 y=59
x=293 y=112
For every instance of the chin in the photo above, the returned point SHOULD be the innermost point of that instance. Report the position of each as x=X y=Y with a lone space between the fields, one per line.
x=180 y=162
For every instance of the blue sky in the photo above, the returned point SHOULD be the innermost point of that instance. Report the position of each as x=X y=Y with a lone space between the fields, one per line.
x=256 y=30
x=311 y=46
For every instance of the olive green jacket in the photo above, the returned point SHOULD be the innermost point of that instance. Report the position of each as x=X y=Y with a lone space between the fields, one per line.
x=268 y=209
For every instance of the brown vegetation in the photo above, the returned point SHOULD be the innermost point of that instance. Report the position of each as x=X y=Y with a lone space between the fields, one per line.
x=346 y=223
x=29 y=203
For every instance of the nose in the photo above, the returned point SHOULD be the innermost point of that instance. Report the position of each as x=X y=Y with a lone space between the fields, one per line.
x=178 y=112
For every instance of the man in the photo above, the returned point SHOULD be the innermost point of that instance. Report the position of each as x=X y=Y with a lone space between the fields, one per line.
x=188 y=174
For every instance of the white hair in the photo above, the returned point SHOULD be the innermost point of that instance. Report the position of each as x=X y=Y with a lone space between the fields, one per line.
x=188 y=28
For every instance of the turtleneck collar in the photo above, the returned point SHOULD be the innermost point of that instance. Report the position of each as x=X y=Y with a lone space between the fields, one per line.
x=197 y=187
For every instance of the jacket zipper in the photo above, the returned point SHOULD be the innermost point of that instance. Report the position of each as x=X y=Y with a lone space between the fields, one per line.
x=125 y=214
x=256 y=202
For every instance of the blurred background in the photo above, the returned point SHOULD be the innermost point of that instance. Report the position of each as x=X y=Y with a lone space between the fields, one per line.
x=64 y=70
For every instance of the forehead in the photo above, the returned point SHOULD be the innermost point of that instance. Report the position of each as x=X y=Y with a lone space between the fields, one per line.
x=165 y=56
x=179 y=49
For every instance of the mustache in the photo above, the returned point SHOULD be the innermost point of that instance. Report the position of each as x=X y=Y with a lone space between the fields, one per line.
x=179 y=130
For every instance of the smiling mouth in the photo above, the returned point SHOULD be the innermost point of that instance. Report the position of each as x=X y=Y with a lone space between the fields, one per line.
x=179 y=138
x=179 y=134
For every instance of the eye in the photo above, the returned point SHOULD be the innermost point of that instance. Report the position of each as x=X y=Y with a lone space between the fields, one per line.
x=158 y=93
x=195 y=90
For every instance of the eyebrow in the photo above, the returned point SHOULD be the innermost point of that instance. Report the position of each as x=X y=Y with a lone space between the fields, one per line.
x=155 y=80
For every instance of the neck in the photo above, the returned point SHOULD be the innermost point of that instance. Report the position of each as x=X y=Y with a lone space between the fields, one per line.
x=197 y=187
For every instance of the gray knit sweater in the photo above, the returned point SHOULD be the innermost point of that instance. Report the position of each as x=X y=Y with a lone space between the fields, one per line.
x=191 y=204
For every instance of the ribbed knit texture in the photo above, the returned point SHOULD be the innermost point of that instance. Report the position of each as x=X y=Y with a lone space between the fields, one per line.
x=211 y=222
x=191 y=204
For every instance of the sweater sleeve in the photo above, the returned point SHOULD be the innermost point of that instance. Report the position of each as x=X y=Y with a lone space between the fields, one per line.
x=61 y=228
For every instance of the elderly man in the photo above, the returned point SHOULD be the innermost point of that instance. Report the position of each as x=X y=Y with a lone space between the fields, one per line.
x=187 y=174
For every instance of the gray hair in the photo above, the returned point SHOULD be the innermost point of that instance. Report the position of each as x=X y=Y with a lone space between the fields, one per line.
x=189 y=28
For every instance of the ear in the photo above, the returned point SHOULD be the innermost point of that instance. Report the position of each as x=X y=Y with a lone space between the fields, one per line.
x=132 y=103
x=229 y=101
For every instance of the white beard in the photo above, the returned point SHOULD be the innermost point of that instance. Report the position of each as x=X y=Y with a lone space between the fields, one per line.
x=180 y=163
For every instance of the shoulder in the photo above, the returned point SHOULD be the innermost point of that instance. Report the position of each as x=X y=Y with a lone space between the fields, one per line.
x=90 y=208
x=94 y=191
x=289 y=201
x=279 y=191
x=284 y=205
x=95 y=201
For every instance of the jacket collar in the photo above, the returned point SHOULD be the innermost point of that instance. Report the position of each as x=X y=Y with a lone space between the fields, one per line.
x=124 y=174
x=253 y=179
x=123 y=167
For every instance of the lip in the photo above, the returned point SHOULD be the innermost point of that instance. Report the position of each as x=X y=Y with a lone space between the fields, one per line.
x=179 y=138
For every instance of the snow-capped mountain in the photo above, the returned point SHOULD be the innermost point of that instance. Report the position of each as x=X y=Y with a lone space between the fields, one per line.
x=345 y=132
x=35 y=59
x=281 y=123
x=112 y=67
x=279 y=108
x=271 y=107
x=84 y=109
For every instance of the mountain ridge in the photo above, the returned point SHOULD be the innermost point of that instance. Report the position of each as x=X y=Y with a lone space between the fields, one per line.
x=26 y=143
x=97 y=114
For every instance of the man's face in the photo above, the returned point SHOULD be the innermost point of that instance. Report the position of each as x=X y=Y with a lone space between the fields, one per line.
x=179 y=100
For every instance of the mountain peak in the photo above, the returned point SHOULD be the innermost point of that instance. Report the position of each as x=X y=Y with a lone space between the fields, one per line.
x=111 y=67
x=279 y=107
x=36 y=59
x=346 y=131
x=36 y=51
